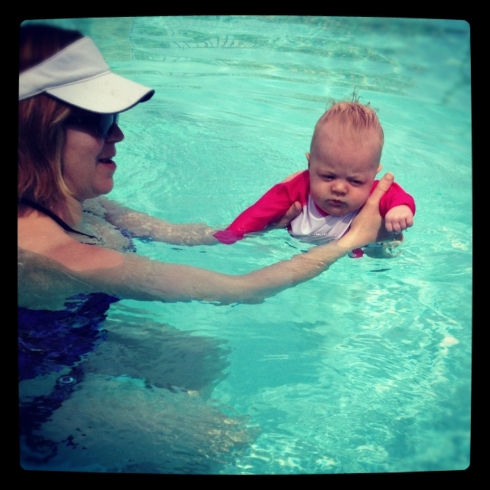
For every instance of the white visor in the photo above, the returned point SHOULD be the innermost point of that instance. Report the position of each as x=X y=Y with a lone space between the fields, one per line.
x=79 y=75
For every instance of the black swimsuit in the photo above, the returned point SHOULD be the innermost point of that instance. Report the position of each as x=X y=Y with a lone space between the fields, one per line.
x=52 y=341
x=53 y=216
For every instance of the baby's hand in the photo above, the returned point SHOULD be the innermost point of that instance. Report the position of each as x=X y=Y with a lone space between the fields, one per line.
x=398 y=219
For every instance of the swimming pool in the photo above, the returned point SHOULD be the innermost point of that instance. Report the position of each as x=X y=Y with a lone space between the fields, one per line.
x=363 y=369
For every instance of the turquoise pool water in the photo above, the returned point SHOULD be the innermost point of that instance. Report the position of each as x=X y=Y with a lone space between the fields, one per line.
x=364 y=369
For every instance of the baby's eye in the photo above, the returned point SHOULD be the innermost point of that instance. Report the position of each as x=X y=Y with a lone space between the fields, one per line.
x=356 y=182
x=328 y=177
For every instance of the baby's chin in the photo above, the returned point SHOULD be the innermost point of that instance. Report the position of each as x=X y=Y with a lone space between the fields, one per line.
x=337 y=211
x=338 y=214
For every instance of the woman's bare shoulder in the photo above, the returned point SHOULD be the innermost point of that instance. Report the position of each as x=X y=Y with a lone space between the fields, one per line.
x=38 y=233
x=41 y=235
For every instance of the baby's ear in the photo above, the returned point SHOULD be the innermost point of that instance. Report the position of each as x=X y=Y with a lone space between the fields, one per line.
x=379 y=168
x=307 y=154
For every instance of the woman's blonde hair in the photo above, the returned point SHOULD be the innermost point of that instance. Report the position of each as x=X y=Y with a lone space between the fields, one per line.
x=41 y=120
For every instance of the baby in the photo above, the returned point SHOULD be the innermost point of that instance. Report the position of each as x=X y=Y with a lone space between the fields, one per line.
x=344 y=158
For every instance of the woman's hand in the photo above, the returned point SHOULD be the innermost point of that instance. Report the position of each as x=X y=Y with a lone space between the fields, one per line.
x=368 y=225
x=291 y=213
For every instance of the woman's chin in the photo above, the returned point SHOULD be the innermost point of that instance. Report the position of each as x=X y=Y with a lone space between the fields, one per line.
x=104 y=188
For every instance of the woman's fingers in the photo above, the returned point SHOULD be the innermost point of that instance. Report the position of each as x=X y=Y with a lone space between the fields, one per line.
x=291 y=213
x=383 y=185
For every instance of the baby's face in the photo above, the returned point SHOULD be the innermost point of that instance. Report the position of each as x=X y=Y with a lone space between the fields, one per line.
x=342 y=171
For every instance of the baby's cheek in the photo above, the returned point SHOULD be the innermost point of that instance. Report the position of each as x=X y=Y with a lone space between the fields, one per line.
x=363 y=196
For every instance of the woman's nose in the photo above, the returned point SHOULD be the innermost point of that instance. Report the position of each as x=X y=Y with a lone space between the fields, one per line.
x=115 y=134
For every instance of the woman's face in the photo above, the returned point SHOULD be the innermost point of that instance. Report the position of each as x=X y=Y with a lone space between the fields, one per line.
x=88 y=165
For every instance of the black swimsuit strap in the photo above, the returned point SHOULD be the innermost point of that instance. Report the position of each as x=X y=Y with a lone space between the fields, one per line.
x=53 y=216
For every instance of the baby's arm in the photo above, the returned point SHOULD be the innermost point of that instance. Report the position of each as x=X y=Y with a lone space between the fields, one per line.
x=398 y=209
x=277 y=202
x=398 y=219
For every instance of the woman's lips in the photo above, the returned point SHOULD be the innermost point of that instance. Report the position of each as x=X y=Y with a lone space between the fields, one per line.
x=107 y=161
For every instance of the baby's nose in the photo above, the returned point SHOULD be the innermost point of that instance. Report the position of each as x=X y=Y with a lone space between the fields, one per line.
x=339 y=187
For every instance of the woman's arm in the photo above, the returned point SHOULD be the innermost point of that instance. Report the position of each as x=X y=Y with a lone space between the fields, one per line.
x=149 y=280
x=145 y=226
x=85 y=268
x=45 y=281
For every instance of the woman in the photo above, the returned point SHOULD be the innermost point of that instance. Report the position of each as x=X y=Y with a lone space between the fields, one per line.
x=74 y=245
x=65 y=159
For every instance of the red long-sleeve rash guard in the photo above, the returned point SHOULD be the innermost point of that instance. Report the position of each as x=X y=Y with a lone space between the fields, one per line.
x=312 y=224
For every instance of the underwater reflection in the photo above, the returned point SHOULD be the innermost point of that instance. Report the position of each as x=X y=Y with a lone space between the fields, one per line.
x=139 y=403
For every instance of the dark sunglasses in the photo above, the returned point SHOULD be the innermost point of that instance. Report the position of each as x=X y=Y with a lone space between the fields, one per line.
x=102 y=123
